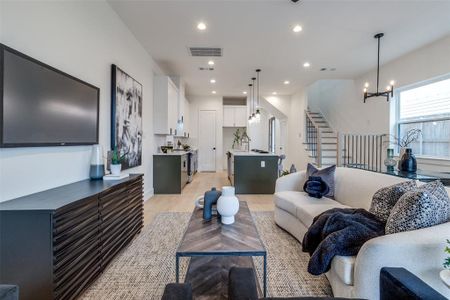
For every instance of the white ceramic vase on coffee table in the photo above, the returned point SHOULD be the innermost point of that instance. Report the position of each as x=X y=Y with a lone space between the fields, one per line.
x=228 y=205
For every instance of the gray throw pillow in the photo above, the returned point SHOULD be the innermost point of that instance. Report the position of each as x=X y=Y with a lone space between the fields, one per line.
x=326 y=174
x=415 y=210
x=385 y=198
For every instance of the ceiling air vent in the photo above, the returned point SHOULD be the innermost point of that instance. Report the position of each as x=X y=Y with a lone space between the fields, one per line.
x=205 y=51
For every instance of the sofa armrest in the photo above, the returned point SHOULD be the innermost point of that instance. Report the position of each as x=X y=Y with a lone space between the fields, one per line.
x=419 y=251
x=177 y=291
x=291 y=182
x=242 y=284
x=399 y=283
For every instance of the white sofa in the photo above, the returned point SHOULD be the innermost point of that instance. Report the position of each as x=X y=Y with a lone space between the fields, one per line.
x=420 y=251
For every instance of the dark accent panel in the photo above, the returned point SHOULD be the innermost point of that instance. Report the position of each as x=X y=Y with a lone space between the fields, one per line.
x=399 y=283
x=58 y=253
x=169 y=173
x=251 y=178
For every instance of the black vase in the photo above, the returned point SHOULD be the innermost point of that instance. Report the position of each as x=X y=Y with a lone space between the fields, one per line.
x=407 y=162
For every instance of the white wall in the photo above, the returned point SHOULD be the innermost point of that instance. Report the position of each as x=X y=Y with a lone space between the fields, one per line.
x=258 y=131
x=82 y=38
x=295 y=152
x=215 y=103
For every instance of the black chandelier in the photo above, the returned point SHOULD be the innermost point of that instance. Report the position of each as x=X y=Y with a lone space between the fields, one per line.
x=389 y=92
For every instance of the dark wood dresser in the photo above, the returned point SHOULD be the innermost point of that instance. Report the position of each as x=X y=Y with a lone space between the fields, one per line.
x=53 y=244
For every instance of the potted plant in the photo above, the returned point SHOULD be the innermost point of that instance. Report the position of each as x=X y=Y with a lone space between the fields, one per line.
x=116 y=162
x=445 y=274
x=236 y=139
x=407 y=162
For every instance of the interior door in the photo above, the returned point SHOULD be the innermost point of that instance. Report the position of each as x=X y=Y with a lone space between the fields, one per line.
x=207 y=140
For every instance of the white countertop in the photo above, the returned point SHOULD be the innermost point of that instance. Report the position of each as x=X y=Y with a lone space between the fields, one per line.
x=250 y=153
x=174 y=153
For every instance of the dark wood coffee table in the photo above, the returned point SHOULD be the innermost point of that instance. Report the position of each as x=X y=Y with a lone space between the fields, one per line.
x=214 y=248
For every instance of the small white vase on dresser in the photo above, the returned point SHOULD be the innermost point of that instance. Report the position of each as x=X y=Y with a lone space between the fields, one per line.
x=227 y=205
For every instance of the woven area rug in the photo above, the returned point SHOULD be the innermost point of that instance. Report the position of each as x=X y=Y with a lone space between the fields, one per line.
x=142 y=270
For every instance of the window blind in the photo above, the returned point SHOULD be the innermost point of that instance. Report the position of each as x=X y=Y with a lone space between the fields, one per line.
x=425 y=101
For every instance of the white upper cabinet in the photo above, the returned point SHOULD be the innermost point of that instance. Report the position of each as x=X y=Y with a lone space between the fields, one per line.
x=240 y=116
x=228 y=116
x=165 y=105
x=234 y=116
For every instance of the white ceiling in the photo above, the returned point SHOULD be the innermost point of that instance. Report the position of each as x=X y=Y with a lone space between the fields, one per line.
x=258 y=34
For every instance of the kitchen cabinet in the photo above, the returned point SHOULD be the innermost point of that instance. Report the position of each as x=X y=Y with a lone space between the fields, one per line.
x=165 y=106
x=234 y=116
x=170 y=172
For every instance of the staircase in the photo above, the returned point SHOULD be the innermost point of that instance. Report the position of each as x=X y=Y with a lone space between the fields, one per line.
x=321 y=141
x=327 y=147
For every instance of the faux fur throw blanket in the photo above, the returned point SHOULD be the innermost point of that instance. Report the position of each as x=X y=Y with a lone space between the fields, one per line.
x=338 y=231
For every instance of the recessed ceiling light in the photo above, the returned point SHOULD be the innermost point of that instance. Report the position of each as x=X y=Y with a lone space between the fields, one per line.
x=306 y=65
x=214 y=92
x=244 y=92
x=274 y=93
x=286 y=82
x=201 y=26
x=297 y=28
x=212 y=81
x=211 y=63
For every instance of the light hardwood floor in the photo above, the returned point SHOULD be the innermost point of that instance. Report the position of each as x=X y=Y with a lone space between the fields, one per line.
x=202 y=182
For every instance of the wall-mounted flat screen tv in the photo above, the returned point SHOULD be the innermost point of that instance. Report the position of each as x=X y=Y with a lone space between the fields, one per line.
x=42 y=106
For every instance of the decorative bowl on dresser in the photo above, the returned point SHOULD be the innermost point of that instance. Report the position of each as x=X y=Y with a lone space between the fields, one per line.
x=55 y=243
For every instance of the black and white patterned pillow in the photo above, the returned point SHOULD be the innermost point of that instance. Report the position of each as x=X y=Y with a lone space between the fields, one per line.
x=385 y=198
x=417 y=209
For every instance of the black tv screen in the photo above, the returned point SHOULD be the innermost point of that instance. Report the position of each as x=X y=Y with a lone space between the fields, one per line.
x=42 y=106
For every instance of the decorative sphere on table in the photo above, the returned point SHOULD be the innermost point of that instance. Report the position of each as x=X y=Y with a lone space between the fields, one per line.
x=227 y=205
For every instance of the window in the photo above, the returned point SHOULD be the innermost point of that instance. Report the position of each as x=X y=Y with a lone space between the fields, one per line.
x=426 y=106
x=272 y=135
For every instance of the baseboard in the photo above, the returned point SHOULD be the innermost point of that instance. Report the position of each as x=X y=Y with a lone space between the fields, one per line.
x=148 y=194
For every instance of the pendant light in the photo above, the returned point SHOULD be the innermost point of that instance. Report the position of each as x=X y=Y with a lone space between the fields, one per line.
x=253 y=108
x=250 y=102
x=389 y=92
x=258 y=113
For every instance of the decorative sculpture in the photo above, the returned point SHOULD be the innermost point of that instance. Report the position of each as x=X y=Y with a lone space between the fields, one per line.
x=209 y=200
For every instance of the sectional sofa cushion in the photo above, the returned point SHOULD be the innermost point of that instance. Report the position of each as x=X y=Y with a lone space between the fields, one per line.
x=327 y=175
x=385 y=198
x=304 y=207
x=427 y=206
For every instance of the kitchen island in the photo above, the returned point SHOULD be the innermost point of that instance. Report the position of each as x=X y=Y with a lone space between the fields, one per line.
x=252 y=172
x=170 y=172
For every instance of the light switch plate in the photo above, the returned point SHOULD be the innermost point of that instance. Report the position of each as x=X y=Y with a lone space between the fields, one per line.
x=263 y=164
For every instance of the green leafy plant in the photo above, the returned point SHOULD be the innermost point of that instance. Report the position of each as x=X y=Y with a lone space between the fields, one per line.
x=116 y=158
x=237 y=138
x=447 y=259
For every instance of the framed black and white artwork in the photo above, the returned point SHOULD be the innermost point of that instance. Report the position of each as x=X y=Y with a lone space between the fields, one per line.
x=126 y=117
